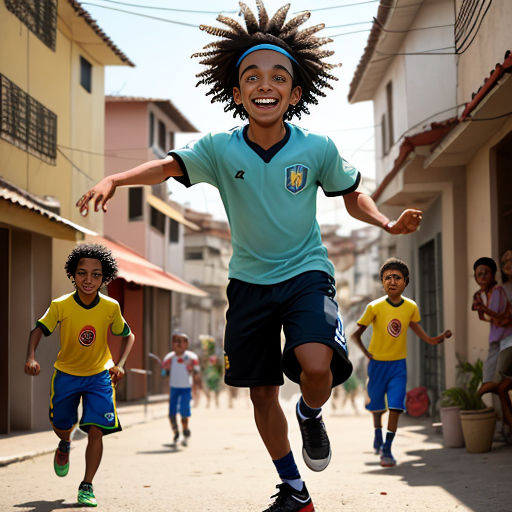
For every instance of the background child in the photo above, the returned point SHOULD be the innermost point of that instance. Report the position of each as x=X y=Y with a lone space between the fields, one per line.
x=84 y=368
x=492 y=304
x=390 y=316
x=183 y=366
x=268 y=173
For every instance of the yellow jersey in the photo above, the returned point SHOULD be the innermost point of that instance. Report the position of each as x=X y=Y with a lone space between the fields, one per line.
x=83 y=332
x=390 y=323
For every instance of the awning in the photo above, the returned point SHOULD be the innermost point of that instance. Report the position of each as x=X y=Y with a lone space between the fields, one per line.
x=170 y=212
x=136 y=269
x=19 y=210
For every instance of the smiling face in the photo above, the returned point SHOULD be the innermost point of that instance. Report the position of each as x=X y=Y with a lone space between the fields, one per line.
x=266 y=87
x=394 y=283
x=88 y=278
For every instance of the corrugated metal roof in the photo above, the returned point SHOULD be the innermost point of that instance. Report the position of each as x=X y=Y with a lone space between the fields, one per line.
x=21 y=198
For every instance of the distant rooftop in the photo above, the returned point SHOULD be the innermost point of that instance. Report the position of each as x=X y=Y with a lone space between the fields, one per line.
x=165 y=105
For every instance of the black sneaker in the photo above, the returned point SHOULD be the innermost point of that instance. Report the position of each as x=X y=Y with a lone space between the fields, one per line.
x=290 y=500
x=316 y=449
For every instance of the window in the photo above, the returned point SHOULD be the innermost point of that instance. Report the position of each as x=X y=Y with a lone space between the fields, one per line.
x=135 y=195
x=161 y=136
x=151 y=129
x=171 y=144
x=26 y=123
x=174 y=231
x=194 y=255
x=85 y=74
x=383 y=134
x=40 y=17
x=157 y=220
x=389 y=103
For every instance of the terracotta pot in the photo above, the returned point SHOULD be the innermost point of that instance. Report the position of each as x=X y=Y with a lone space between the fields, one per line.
x=452 y=427
x=478 y=429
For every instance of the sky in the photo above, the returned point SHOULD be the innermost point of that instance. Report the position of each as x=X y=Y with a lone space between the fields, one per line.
x=162 y=51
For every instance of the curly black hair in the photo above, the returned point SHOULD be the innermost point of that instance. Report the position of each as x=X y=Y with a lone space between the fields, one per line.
x=395 y=264
x=97 y=252
x=311 y=74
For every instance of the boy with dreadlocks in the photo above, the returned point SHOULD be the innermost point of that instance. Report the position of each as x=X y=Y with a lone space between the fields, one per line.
x=268 y=173
x=84 y=368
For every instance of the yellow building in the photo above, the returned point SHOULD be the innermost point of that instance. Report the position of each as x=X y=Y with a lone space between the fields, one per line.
x=52 y=63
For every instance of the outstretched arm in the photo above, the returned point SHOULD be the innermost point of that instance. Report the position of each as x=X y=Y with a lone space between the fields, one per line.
x=356 y=338
x=362 y=207
x=418 y=330
x=149 y=173
x=117 y=371
x=31 y=365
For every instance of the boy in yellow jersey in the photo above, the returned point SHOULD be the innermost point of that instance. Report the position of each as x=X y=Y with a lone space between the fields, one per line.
x=84 y=368
x=390 y=317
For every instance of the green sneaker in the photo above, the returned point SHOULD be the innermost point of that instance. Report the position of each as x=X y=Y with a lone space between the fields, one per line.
x=86 y=495
x=61 y=459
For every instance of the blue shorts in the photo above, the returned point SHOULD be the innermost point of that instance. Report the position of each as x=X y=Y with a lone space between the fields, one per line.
x=304 y=307
x=386 y=380
x=180 y=399
x=98 y=402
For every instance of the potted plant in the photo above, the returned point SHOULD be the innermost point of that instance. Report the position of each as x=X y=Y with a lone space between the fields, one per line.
x=451 y=402
x=478 y=420
x=465 y=417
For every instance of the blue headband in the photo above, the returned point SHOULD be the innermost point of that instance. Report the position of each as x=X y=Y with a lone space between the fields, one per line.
x=266 y=46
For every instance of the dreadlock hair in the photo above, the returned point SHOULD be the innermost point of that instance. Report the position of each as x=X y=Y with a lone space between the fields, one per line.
x=312 y=74
x=96 y=252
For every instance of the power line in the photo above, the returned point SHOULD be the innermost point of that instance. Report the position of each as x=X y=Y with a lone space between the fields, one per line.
x=476 y=32
x=142 y=15
x=154 y=7
x=74 y=165
x=349 y=33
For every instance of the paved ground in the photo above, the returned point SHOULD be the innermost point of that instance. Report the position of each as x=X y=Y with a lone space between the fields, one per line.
x=225 y=468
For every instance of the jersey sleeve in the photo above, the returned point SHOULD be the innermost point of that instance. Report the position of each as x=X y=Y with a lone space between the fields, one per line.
x=166 y=361
x=49 y=320
x=197 y=161
x=416 y=317
x=367 y=317
x=118 y=326
x=337 y=176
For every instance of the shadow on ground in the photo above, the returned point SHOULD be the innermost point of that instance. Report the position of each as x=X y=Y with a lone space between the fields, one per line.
x=479 y=480
x=48 y=506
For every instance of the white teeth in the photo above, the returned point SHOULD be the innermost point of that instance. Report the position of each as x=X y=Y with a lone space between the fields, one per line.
x=265 y=101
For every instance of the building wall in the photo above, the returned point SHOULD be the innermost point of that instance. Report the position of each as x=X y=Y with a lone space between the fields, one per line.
x=488 y=48
x=421 y=85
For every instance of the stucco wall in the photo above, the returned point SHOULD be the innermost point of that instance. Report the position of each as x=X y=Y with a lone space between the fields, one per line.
x=488 y=48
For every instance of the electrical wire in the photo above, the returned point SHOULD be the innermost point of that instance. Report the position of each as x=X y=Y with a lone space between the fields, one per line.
x=74 y=165
x=470 y=11
x=142 y=15
x=154 y=7
x=500 y=116
x=459 y=51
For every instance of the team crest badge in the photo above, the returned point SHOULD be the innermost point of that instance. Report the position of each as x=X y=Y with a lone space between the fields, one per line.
x=87 y=336
x=395 y=328
x=109 y=416
x=296 y=176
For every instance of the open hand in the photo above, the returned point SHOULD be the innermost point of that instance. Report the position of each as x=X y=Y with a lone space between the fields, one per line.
x=408 y=222
x=116 y=374
x=32 y=367
x=99 y=195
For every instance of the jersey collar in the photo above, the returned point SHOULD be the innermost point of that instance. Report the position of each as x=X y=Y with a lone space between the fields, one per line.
x=267 y=154
x=86 y=306
x=394 y=305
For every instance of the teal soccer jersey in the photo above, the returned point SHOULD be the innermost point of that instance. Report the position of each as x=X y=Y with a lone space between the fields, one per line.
x=270 y=197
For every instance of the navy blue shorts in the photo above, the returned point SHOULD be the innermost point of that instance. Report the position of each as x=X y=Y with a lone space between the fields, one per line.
x=98 y=402
x=304 y=307
x=387 y=381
